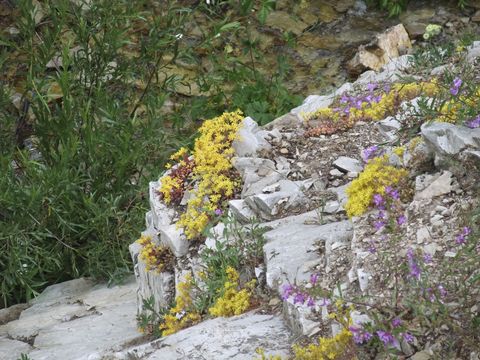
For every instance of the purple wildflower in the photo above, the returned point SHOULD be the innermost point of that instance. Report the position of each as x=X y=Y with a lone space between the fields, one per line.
x=427 y=258
x=415 y=270
x=442 y=291
x=299 y=298
x=313 y=279
x=387 y=88
x=396 y=322
x=358 y=104
x=457 y=82
x=379 y=224
x=372 y=248
x=360 y=335
x=474 y=123
x=431 y=295
x=408 y=337
x=462 y=237
x=393 y=193
x=371 y=86
x=378 y=199
x=324 y=302
x=402 y=219
x=387 y=338
x=287 y=290
x=344 y=99
x=310 y=302
x=218 y=212
x=371 y=152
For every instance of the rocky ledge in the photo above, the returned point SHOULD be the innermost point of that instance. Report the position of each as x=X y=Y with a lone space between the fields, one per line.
x=294 y=183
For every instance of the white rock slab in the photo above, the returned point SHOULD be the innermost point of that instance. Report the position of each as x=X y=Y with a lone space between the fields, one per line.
x=290 y=250
x=12 y=349
x=250 y=139
x=234 y=338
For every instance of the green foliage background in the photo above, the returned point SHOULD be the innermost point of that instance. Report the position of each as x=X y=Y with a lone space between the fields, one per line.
x=77 y=153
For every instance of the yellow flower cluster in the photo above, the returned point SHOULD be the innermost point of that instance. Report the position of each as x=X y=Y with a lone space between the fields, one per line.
x=169 y=186
x=213 y=171
x=183 y=314
x=154 y=256
x=387 y=105
x=233 y=301
x=452 y=110
x=338 y=347
x=261 y=352
x=390 y=101
x=375 y=177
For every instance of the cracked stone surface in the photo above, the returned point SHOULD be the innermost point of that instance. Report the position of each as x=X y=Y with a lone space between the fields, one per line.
x=221 y=338
x=72 y=319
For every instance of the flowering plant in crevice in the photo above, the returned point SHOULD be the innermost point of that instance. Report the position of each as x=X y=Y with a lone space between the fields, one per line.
x=377 y=175
x=179 y=179
x=209 y=174
x=376 y=104
x=157 y=258
x=339 y=346
x=309 y=294
x=421 y=293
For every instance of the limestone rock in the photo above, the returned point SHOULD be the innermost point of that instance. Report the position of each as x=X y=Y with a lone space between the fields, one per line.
x=311 y=104
x=391 y=44
x=150 y=284
x=71 y=320
x=289 y=251
x=245 y=165
x=389 y=128
x=241 y=211
x=347 y=164
x=160 y=213
x=12 y=349
x=439 y=184
x=473 y=51
x=221 y=339
x=299 y=318
x=11 y=313
x=175 y=239
x=448 y=139
x=250 y=139
x=288 y=196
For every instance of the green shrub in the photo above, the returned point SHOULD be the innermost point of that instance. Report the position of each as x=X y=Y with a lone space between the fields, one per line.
x=77 y=150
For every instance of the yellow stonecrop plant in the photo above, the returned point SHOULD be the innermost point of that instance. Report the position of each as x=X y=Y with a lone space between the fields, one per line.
x=263 y=356
x=183 y=314
x=154 y=256
x=340 y=346
x=213 y=171
x=387 y=105
x=377 y=175
x=233 y=301
x=451 y=111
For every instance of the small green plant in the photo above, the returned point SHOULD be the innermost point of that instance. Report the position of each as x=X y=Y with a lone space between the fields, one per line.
x=148 y=321
x=238 y=247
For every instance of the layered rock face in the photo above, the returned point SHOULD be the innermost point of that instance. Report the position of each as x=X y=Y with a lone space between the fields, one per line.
x=295 y=187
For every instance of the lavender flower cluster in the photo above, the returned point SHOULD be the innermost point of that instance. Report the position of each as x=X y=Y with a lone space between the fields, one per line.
x=388 y=338
x=301 y=296
x=387 y=202
x=357 y=101
x=371 y=152
x=474 y=123
x=455 y=88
